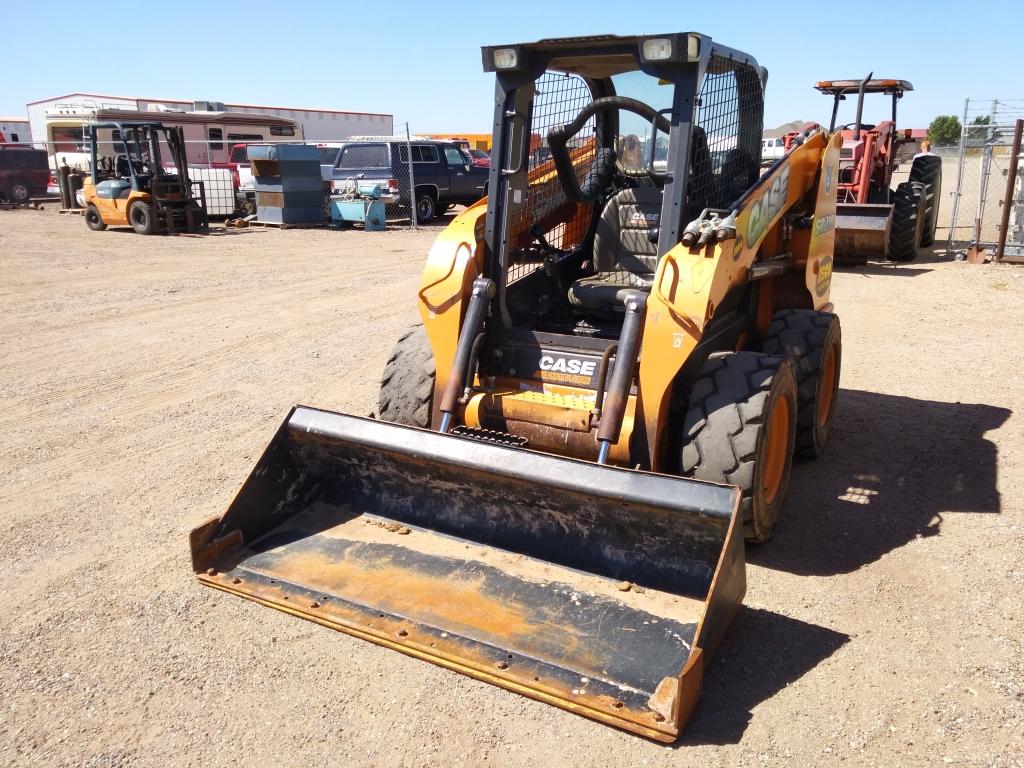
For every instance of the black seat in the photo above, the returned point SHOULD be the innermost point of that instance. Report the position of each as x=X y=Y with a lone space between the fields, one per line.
x=624 y=256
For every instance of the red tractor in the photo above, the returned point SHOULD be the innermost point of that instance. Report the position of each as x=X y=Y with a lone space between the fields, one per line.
x=874 y=221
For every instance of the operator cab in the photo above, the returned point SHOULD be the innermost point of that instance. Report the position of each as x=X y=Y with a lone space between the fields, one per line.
x=590 y=183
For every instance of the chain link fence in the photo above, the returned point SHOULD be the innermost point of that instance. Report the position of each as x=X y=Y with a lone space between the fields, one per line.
x=975 y=172
x=444 y=173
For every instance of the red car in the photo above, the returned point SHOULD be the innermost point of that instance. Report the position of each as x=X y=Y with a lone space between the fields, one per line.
x=479 y=158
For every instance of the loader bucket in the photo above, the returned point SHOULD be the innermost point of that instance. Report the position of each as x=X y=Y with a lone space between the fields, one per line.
x=862 y=232
x=598 y=589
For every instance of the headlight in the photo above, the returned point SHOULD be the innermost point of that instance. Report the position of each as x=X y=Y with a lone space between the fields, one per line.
x=506 y=58
x=657 y=49
x=678 y=48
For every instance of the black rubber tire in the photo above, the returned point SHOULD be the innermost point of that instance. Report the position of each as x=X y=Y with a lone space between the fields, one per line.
x=927 y=170
x=426 y=207
x=17 y=191
x=142 y=218
x=92 y=218
x=906 y=222
x=806 y=338
x=407 y=386
x=725 y=435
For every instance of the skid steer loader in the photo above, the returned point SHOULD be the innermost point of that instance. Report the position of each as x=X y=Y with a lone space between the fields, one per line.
x=617 y=360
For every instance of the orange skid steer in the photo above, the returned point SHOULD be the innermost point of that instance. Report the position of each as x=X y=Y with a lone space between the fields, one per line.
x=618 y=358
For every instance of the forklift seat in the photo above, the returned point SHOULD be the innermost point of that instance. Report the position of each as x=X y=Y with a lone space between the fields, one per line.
x=624 y=256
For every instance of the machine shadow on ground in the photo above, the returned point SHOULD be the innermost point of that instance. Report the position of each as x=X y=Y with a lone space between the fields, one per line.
x=894 y=467
x=216 y=230
x=742 y=674
x=929 y=255
x=883 y=269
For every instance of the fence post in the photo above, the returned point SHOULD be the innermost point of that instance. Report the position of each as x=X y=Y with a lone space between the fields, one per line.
x=986 y=169
x=1011 y=183
x=959 y=180
x=412 y=179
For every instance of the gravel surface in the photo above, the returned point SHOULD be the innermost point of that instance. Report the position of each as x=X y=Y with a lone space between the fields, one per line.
x=142 y=377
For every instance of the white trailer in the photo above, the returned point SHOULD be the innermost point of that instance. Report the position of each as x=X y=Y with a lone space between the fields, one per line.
x=209 y=135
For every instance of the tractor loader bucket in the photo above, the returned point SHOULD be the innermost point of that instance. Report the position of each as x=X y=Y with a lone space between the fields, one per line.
x=598 y=589
x=862 y=232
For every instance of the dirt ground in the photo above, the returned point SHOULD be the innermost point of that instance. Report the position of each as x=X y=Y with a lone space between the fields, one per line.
x=142 y=377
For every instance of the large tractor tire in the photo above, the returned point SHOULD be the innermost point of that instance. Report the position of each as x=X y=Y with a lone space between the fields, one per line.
x=93 y=220
x=813 y=343
x=739 y=428
x=907 y=222
x=927 y=170
x=142 y=218
x=407 y=386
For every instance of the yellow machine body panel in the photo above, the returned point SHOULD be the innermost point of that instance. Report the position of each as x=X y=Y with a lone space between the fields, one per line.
x=691 y=282
x=113 y=211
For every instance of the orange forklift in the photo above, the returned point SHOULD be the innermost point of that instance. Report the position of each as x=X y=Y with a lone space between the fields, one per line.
x=133 y=188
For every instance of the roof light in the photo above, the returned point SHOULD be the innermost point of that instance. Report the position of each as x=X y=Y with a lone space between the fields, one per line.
x=657 y=49
x=692 y=47
x=676 y=48
x=506 y=58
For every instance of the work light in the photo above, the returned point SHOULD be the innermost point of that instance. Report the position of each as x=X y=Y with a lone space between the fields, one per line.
x=506 y=58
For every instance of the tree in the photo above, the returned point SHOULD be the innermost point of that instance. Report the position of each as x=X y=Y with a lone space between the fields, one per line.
x=944 y=130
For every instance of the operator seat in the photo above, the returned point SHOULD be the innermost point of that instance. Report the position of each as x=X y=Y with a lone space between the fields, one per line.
x=624 y=256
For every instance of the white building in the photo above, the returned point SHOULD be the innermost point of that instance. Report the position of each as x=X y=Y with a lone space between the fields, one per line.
x=16 y=130
x=317 y=124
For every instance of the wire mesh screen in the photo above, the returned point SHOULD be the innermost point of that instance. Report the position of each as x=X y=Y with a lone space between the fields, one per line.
x=977 y=184
x=727 y=135
x=557 y=100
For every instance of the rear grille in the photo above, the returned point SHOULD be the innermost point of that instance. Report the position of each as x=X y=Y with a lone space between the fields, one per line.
x=491 y=436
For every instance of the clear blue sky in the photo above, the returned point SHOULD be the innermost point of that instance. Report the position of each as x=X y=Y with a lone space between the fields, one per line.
x=421 y=61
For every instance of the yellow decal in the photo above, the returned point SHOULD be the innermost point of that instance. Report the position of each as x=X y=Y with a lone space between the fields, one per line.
x=825 y=224
x=824 y=275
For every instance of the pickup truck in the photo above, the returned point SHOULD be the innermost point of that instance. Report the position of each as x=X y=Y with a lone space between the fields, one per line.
x=443 y=174
x=23 y=173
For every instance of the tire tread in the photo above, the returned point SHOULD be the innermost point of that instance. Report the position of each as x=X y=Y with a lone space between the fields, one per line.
x=723 y=421
x=800 y=336
x=407 y=385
